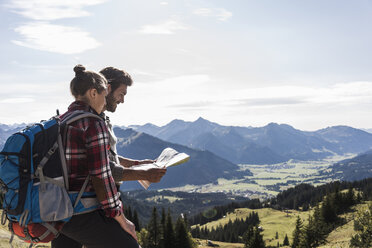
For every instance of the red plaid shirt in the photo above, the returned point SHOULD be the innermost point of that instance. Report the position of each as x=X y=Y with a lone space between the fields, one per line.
x=87 y=152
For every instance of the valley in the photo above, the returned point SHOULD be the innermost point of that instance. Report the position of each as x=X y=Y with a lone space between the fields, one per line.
x=270 y=179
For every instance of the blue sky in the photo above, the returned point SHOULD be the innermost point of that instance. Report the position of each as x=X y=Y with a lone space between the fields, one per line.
x=235 y=62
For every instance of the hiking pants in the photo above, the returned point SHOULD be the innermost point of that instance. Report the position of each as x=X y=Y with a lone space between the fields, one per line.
x=93 y=230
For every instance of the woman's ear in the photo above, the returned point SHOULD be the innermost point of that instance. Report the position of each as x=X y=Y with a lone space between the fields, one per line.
x=92 y=93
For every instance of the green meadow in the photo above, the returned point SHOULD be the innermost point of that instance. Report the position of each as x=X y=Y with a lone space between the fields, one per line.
x=271 y=221
x=283 y=222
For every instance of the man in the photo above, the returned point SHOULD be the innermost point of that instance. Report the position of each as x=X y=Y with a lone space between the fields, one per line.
x=119 y=81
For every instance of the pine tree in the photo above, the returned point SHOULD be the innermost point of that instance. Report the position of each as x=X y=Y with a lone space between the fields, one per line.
x=350 y=197
x=337 y=201
x=297 y=233
x=182 y=236
x=363 y=225
x=328 y=212
x=253 y=238
x=162 y=229
x=186 y=220
x=196 y=232
x=129 y=215
x=359 y=197
x=315 y=233
x=169 y=235
x=153 y=236
x=308 y=238
x=286 y=241
x=136 y=221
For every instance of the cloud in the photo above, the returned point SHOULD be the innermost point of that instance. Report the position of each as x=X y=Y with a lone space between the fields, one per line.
x=193 y=105
x=163 y=3
x=269 y=101
x=17 y=100
x=220 y=13
x=55 y=38
x=48 y=10
x=209 y=97
x=42 y=35
x=337 y=94
x=167 y=27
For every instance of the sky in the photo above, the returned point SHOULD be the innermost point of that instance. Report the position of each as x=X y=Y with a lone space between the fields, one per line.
x=235 y=62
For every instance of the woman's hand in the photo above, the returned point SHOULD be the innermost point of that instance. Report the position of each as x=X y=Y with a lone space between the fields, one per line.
x=127 y=225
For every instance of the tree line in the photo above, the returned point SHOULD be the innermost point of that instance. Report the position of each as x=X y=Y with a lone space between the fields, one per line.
x=162 y=233
x=232 y=232
x=302 y=196
x=218 y=212
x=324 y=219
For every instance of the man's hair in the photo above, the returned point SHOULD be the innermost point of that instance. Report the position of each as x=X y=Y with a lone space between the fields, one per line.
x=116 y=77
x=85 y=80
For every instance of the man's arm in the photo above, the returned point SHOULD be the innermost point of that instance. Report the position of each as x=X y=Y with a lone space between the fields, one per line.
x=153 y=175
x=127 y=162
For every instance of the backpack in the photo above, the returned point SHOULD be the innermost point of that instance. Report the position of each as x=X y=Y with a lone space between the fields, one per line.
x=34 y=181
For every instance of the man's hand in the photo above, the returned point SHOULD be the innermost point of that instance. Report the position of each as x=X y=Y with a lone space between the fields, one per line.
x=146 y=161
x=127 y=162
x=154 y=175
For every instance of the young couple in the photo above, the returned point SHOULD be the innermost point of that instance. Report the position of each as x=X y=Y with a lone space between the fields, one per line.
x=90 y=149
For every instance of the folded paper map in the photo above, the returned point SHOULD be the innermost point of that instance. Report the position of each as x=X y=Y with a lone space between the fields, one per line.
x=168 y=157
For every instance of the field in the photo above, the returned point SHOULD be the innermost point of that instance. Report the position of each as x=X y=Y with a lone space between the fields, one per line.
x=269 y=180
x=272 y=221
x=283 y=222
x=203 y=244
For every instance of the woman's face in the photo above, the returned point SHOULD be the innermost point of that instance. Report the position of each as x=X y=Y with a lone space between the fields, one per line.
x=98 y=102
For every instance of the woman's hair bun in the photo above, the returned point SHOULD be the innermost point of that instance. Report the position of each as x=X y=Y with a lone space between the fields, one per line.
x=79 y=69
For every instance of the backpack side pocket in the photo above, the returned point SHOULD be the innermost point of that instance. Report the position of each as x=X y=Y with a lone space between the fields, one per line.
x=55 y=203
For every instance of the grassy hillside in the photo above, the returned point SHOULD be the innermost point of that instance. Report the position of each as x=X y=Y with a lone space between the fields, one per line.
x=272 y=221
x=340 y=237
x=202 y=243
x=283 y=222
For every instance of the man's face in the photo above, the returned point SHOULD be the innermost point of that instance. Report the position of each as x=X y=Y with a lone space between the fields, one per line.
x=116 y=97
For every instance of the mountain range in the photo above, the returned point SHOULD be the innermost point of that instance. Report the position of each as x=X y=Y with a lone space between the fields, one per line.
x=270 y=144
x=356 y=168
x=203 y=167
x=215 y=150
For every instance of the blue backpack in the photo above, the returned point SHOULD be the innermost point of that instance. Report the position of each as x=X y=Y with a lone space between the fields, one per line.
x=34 y=181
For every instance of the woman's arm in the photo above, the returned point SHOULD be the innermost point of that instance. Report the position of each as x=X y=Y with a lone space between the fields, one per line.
x=127 y=225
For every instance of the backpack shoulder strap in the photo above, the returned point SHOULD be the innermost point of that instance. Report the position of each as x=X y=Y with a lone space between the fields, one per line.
x=79 y=114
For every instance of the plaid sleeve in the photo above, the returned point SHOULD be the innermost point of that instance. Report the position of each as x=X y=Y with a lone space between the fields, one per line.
x=97 y=144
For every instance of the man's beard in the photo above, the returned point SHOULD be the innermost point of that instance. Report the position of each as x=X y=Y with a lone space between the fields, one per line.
x=111 y=103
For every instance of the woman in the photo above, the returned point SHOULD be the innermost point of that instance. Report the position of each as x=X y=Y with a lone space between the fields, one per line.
x=87 y=150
